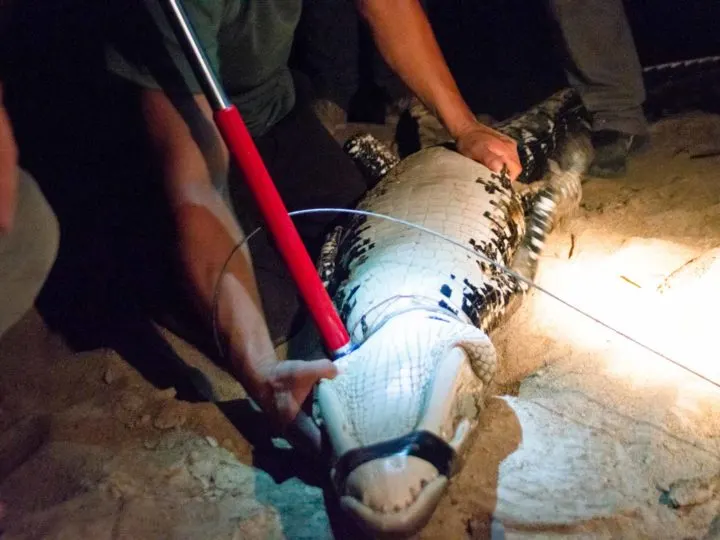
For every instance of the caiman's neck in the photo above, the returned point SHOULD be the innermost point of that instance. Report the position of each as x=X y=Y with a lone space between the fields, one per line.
x=400 y=306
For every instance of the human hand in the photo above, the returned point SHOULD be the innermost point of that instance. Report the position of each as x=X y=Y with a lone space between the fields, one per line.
x=291 y=381
x=491 y=148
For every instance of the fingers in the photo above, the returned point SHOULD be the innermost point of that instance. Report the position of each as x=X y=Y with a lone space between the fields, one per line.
x=294 y=380
x=492 y=149
x=505 y=153
x=496 y=161
x=296 y=373
x=324 y=368
x=514 y=166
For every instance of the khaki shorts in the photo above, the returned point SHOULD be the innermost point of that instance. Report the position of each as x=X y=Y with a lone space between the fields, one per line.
x=27 y=253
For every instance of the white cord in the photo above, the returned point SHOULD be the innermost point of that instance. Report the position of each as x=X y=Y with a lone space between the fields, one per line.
x=474 y=253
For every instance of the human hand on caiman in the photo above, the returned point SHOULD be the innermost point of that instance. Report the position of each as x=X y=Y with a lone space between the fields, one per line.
x=415 y=56
x=491 y=148
x=289 y=383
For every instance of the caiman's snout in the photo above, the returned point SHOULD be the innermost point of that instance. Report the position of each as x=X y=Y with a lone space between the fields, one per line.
x=399 y=416
x=396 y=494
x=393 y=495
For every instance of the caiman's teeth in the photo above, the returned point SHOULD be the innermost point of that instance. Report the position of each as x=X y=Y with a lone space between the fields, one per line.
x=403 y=521
x=390 y=484
x=387 y=508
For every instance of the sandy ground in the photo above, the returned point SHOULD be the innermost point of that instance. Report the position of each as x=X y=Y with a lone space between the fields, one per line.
x=589 y=435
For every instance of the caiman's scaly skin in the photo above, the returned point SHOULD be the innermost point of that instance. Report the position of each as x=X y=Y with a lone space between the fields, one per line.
x=406 y=400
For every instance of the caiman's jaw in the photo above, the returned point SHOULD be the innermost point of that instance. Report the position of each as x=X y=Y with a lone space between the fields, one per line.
x=398 y=494
x=398 y=441
x=412 y=486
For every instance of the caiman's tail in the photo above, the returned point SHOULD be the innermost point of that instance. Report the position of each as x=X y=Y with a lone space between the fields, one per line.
x=538 y=132
x=684 y=85
x=550 y=201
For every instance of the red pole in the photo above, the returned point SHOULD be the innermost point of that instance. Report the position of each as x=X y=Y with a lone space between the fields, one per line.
x=243 y=149
x=283 y=230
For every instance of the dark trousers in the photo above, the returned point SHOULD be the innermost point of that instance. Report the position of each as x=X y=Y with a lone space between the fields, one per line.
x=335 y=50
x=601 y=60
x=603 y=64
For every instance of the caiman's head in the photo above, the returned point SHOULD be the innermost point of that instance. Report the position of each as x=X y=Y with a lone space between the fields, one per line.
x=399 y=415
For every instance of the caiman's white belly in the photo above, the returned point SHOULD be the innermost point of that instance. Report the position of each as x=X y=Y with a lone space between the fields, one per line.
x=389 y=266
x=399 y=414
x=417 y=306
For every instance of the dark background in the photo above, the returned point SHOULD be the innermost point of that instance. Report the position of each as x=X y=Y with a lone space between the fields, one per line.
x=505 y=54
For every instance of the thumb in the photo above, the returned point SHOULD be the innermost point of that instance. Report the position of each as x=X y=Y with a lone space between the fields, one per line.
x=325 y=369
x=317 y=369
x=293 y=373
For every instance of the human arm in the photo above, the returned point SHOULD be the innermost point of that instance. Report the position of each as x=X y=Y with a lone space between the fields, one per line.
x=191 y=154
x=406 y=41
x=8 y=169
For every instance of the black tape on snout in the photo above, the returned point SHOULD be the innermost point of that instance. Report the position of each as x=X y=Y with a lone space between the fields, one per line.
x=421 y=444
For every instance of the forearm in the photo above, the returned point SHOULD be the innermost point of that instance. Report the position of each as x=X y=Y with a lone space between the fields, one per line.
x=190 y=153
x=8 y=149
x=8 y=169
x=406 y=41
x=207 y=236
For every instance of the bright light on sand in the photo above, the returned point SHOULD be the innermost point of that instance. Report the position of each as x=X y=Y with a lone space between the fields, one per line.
x=621 y=289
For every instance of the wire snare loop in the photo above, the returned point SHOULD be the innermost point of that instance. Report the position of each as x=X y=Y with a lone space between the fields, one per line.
x=529 y=282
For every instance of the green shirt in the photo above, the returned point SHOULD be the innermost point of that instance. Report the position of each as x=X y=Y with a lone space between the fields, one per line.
x=248 y=43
